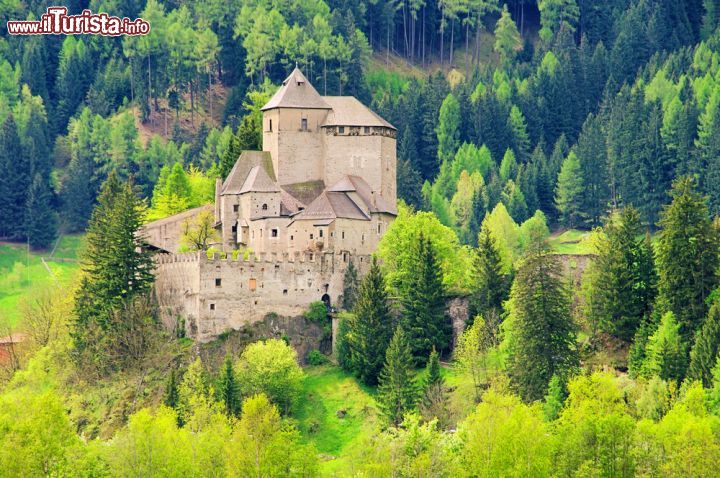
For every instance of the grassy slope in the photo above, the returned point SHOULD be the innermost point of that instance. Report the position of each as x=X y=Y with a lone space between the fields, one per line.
x=23 y=278
x=571 y=242
x=326 y=390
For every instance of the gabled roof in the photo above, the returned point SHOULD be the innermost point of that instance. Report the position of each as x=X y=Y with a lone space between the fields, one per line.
x=305 y=192
x=332 y=205
x=258 y=181
x=248 y=160
x=372 y=200
x=296 y=92
x=348 y=111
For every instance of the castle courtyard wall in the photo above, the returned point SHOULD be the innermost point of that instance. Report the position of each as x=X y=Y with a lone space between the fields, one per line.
x=211 y=296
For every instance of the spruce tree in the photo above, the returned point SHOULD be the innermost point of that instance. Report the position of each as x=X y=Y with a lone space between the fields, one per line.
x=116 y=268
x=666 y=351
x=554 y=399
x=626 y=283
x=230 y=157
x=592 y=156
x=490 y=286
x=423 y=299
x=704 y=352
x=370 y=332
x=351 y=283
x=448 y=129
x=687 y=256
x=172 y=396
x=229 y=389
x=433 y=403
x=541 y=332
x=40 y=218
x=569 y=190
x=15 y=181
x=397 y=391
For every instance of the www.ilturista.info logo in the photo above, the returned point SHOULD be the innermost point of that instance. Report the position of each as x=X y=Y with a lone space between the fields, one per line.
x=57 y=22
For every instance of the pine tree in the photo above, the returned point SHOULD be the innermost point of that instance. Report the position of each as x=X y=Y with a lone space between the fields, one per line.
x=521 y=140
x=116 y=268
x=230 y=157
x=540 y=332
x=507 y=37
x=397 y=391
x=554 y=399
x=172 y=396
x=424 y=321
x=708 y=151
x=229 y=389
x=40 y=218
x=704 y=352
x=351 y=283
x=569 y=190
x=15 y=181
x=490 y=287
x=626 y=283
x=687 y=256
x=370 y=332
x=433 y=403
x=592 y=157
x=666 y=351
x=448 y=129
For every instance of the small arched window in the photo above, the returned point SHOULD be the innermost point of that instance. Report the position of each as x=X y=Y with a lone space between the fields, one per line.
x=264 y=207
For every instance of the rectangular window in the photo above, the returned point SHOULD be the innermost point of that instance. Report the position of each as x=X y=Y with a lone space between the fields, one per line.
x=212 y=306
x=270 y=128
x=253 y=285
x=234 y=228
x=378 y=228
x=292 y=238
x=321 y=233
x=367 y=129
x=218 y=282
x=341 y=130
x=343 y=234
x=274 y=233
x=303 y=124
x=236 y=207
x=312 y=236
x=345 y=256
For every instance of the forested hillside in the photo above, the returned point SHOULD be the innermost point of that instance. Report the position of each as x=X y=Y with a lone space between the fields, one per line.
x=559 y=177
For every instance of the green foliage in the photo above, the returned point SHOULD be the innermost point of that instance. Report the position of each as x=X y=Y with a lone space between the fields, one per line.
x=507 y=37
x=471 y=354
x=491 y=285
x=704 y=352
x=666 y=352
x=448 y=129
x=396 y=250
x=351 y=283
x=539 y=328
x=568 y=194
x=270 y=367
x=40 y=217
x=625 y=282
x=315 y=358
x=397 y=391
x=554 y=399
x=687 y=257
x=172 y=394
x=229 y=389
x=369 y=332
x=505 y=233
x=424 y=321
x=504 y=434
x=117 y=269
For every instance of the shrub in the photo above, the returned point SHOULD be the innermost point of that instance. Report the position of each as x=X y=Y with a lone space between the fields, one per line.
x=315 y=357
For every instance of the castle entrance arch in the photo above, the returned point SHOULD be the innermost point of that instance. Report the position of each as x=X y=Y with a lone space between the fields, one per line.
x=326 y=300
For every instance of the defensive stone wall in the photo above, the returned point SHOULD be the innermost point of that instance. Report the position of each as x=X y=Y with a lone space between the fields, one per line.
x=208 y=296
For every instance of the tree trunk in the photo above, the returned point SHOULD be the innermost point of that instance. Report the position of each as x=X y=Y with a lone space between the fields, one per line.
x=452 y=41
x=442 y=40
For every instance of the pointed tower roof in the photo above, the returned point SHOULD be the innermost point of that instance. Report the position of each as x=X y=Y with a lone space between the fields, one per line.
x=296 y=92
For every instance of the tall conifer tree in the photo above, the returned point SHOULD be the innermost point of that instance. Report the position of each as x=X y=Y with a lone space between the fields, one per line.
x=423 y=298
x=397 y=391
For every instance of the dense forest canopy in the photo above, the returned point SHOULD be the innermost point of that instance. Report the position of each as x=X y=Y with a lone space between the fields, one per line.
x=559 y=174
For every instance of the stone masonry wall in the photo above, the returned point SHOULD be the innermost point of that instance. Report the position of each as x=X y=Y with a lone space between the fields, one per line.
x=212 y=296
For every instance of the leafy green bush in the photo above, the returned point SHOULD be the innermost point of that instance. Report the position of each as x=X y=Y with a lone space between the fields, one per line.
x=315 y=357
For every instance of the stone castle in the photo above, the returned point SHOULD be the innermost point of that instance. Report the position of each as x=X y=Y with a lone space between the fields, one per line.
x=290 y=218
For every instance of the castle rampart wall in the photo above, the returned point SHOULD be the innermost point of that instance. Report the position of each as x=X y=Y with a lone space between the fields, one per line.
x=211 y=296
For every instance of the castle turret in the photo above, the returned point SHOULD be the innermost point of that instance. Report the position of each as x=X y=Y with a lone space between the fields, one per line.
x=291 y=130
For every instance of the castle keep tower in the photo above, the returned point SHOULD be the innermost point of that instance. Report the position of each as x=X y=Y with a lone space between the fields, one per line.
x=320 y=194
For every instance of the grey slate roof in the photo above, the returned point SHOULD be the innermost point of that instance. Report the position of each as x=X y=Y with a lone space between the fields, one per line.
x=296 y=92
x=373 y=201
x=258 y=181
x=235 y=181
x=332 y=205
x=349 y=111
